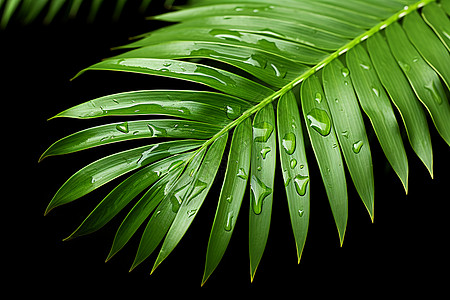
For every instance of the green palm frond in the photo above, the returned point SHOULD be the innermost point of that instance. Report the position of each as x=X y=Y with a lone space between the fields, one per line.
x=28 y=10
x=275 y=74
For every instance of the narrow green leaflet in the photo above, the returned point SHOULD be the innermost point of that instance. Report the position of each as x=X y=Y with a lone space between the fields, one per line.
x=205 y=107
x=231 y=195
x=172 y=198
x=350 y=130
x=361 y=20
x=144 y=207
x=423 y=79
x=124 y=131
x=375 y=103
x=401 y=94
x=221 y=80
x=428 y=45
x=326 y=149
x=110 y=167
x=192 y=203
x=287 y=49
x=294 y=167
x=272 y=69
x=438 y=21
x=279 y=13
x=120 y=196
x=282 y=29
x=262 y=175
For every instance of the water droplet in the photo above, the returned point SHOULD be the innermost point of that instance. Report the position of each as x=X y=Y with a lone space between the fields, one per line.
x=264 y=152
x=226 y=34
x=229 y=199
x=365 y=66
x=177 y=198
x=259 y=168
x=199 y=186
x=259 y=191
x=156 y=131
x=318 y=97
x=191 y=213
x=123 y=127
x=345 y=134
x=319 y=121
x=301 y=182
x=278 y=70
x=293 y=163
x=302 y=166
x=233 y=112
x=301 y=213
x=357 y=146
x=241 y=174
x=229 y=221
x=287 y=181
x=405 y=67
x=431 y=87
x=262 y=131
x=288 y=142
x=167 y=64
x=345 y=72
x=376 y=91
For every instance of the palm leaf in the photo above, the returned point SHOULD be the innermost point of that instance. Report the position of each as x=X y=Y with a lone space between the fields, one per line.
x=350 y=59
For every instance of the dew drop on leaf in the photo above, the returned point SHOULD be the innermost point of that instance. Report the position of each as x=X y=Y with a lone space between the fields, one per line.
x=123 y=127
x=191 y=213
x=319 y=121
x=241 y=174
x=259 y=191
x=293 y=163
x=318 y=97
x=301 y=182
x=156 y=131
x=405 y=67
x=301 y=213
x=365 y=66
x=345 y=134
x=345 y=72
x=357 y=146
x=431 y=87
x=264 y=152
x=229 y=221
x=288 y=143
x=376 y=91
x=199 y=186
x=233 y=112
x=262 y=132
x=287 y=181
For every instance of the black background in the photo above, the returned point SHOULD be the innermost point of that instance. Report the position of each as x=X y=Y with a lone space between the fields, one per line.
x=405 y=249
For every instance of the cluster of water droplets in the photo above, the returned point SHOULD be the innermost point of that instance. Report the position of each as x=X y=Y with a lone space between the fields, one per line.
x=289 y=143
x=259 y=190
